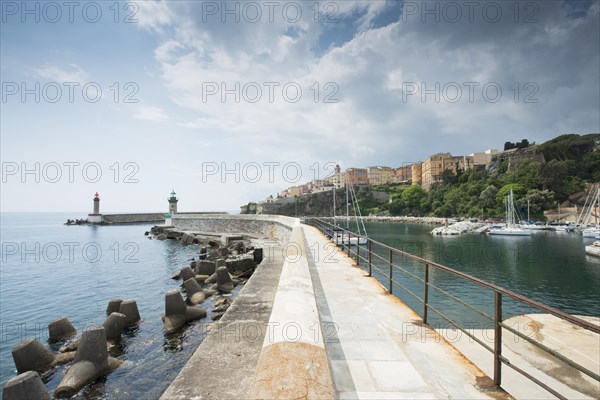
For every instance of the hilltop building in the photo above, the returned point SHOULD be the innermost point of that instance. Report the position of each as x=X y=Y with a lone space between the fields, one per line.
x=432 y=169
x=403 y=174
x=377 y=176
x=416 y=171
x=357 y=176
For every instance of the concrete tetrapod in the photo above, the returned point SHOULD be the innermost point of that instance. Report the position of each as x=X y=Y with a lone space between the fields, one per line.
x=27 y=385
x=186 y=273
x=113 y=306
x=91 y=362
x=177 y=314
x=194 y=292
x=31 y=355
x=132 y=315
x=114 y=325
x=224 y=282
x=60 y=329
x=206 y=267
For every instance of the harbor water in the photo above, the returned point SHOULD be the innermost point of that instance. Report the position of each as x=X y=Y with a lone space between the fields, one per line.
x=51 y=270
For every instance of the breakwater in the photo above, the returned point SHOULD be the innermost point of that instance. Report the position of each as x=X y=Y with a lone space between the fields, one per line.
x=133 y=218
x=260 y=226
x=391 y=219
x=144 y=267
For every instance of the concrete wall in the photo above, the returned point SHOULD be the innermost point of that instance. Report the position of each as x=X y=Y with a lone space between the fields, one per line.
x=293 y=365
x=264 y=226
x=133 y=218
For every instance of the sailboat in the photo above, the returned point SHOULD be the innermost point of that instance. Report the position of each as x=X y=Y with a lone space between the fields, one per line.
x=532 y=226
x=345 y=237
x=586 y=214
x=511 y=228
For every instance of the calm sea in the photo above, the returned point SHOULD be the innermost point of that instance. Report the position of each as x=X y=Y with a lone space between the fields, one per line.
x=51 y=270
x=549 y=267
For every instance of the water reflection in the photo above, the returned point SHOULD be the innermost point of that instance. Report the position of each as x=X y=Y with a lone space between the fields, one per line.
x=546 y=266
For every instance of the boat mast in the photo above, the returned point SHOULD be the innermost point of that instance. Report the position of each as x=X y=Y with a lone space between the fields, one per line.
x=347 y=208
x=334 y=224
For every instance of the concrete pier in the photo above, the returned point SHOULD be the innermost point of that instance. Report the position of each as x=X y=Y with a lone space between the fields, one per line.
x=311 y=324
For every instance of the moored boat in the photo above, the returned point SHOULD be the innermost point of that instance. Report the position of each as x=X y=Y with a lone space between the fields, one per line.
x=511 y=228
x=593 y=249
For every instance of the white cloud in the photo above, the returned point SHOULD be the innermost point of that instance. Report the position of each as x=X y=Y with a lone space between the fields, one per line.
x=54 y=73
x=149 y=113
x=152 y=14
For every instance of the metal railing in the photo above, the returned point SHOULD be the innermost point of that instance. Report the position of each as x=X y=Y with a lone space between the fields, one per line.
x=346 y=239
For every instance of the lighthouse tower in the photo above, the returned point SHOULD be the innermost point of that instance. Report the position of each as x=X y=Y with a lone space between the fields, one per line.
x=95 y=217
x=172 y=208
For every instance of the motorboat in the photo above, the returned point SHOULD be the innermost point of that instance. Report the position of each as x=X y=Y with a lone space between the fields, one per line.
x=593 y=249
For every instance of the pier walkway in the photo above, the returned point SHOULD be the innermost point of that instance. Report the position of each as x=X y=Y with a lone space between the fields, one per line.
x=376 y=346
x=312 y=324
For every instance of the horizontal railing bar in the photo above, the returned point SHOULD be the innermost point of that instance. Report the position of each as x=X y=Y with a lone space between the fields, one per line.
x=550 y=310
x=533 y=379
x=461 y=302
x=380 y=271
x=387 y=261
x=497 y=289
x=488 y=348
x=407 y=290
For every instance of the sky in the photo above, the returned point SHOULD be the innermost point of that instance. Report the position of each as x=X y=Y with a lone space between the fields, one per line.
x=227 y=102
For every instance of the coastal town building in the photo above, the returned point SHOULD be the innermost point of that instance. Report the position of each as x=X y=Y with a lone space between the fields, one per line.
x=403 y=174
x=484 y=157
x=457 y=163
x=377 y=176
x=338 y=179
x=357 y=176
x=416 y=171
x=432 y=169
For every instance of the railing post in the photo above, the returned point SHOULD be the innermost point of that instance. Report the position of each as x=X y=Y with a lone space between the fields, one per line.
x=369 y=244
x=497 y=339
x=348 y=243
x=358 y=251
x=426 y=293
x=391 y=289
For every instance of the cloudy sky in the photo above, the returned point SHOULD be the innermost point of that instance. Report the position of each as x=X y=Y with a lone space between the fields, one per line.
x=228 y=102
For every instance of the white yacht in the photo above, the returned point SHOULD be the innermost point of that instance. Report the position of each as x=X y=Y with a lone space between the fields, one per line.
x=511 y=228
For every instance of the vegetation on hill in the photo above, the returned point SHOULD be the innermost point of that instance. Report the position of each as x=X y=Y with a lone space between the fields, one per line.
x=571 y=161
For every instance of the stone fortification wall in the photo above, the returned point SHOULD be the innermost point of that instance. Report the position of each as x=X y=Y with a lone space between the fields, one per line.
x=264 y=226
x=133 y=218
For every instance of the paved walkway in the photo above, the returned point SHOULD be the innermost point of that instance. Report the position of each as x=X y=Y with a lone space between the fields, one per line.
x=375 y=344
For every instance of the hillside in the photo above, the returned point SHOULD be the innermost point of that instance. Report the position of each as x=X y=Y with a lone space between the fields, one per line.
x=544 y=175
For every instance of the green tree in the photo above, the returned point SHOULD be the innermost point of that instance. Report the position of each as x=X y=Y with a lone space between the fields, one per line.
x=415 y=200
x=539 y=201
x=517 y=188
x=488 y=196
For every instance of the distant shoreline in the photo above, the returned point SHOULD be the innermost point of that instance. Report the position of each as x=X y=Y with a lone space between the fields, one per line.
x=404 y=219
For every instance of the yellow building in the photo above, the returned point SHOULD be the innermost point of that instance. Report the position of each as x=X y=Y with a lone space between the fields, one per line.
x=403 y=174
x=294 y=191
x=432 y=169
x=337 y=180
x=379 y=175
x=416 y=171
x=458 y=163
